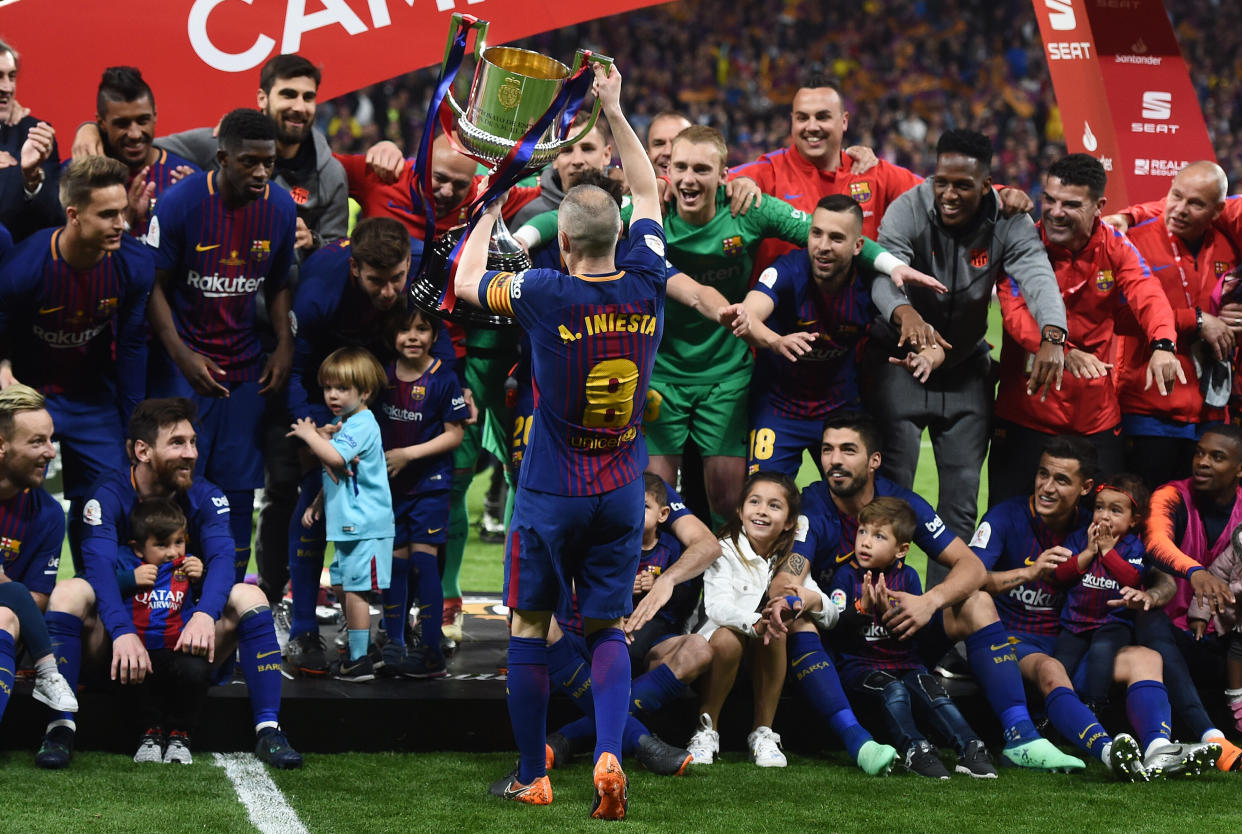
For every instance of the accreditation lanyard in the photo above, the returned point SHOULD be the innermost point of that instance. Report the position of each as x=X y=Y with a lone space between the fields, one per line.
x=1181 y=271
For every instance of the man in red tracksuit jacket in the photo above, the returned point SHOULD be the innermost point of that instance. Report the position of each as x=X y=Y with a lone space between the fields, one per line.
x=1189 y=254
x=1100 y=273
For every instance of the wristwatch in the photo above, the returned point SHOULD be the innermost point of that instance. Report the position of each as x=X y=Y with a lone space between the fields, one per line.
x=1163 y=344
x=1053 y=335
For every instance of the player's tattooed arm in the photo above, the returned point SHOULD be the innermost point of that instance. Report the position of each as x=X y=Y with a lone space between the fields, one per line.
x=796 y=565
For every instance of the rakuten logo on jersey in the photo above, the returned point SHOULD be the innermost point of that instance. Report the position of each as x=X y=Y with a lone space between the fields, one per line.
x=1035 y=599
x=1157 y=106
x=401 y=415
x=1061 y=15
x=67 y=338
x=223 y=286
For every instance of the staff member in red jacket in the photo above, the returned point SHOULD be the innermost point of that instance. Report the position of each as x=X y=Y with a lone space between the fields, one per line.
x=1099 y=273
x=1188 y=254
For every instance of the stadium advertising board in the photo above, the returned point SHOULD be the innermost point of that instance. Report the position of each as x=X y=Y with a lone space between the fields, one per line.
x=1124 y=92
x=203 y=56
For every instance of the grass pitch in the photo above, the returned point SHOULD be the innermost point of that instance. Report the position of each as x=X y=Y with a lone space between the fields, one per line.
x=447 y=792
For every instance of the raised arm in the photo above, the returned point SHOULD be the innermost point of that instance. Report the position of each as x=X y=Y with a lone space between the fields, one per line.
x=638 y=171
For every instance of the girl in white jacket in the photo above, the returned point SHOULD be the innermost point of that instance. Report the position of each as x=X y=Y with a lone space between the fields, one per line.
x=754 y=546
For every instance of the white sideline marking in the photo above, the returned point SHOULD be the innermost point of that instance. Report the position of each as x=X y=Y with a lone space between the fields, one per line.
x=265 y=804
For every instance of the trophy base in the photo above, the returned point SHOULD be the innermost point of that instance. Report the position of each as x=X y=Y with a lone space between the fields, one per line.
x=503 y=255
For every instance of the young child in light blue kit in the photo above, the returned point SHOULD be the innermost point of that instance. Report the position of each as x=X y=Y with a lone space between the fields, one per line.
x=355 y=500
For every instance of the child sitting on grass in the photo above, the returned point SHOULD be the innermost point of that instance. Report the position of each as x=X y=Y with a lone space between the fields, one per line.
x=162 y=584
x=355 y=499
x=876 y=665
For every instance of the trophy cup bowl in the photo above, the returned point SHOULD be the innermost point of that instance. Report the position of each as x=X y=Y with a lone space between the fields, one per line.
x=511 y=90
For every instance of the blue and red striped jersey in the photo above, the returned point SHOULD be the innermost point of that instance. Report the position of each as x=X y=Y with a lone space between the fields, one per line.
x=415 y=412
x=75 y=332
x=1086 y=603
x=593 y=344
x=862 y=642
x=160 y=173
x=32 y=526
x=685 y=598
x=1010 y=536
x=106 y=536
x=161 y=611
x=219 y=260
x=825 y=378
x=827 y=537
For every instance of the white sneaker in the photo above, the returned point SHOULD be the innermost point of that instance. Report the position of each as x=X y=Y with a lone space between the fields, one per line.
x=55 y=691
x=705 y=743
x=765 y=748
x=151 y=748
x=178 y=749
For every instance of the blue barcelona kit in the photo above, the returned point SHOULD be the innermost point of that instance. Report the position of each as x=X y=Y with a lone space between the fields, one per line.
x=219 y=259
x=413 y=412
x=1011 y=536
x=580 y=497
x=107 y=536
x=79 y=337
x=828 y=539
x=862 y=642
x=657 y=560
x=161 y=611
x=32 y=527
x=789 y=400
x=1086 y=602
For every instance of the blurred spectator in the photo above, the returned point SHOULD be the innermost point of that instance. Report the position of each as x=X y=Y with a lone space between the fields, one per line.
x=909 y=70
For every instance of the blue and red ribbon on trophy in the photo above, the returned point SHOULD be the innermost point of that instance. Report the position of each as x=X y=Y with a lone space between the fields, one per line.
x=508 y=171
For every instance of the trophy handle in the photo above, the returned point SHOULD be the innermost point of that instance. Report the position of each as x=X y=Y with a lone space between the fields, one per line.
x=580 y=57
x=480 y=43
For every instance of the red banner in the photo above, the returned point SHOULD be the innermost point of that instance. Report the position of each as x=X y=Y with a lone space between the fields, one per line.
x=202 y=57
x=1124 y=93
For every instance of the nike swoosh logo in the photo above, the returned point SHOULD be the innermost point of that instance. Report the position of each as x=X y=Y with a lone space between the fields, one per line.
x=1004 y=645
x=845 y=558
x=1029 y=561
x=1083 y=734
x=638 y=704
x=433 y=532
x=510 y=793
x=198 y=247
x=43 y=311
x=802 y=323
x=804 y=657
x=262 y=655
x=1158 y=268
x=792 y=196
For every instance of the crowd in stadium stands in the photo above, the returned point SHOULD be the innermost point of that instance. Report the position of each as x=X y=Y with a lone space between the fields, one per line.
x=193 y=317
x=964 y=69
